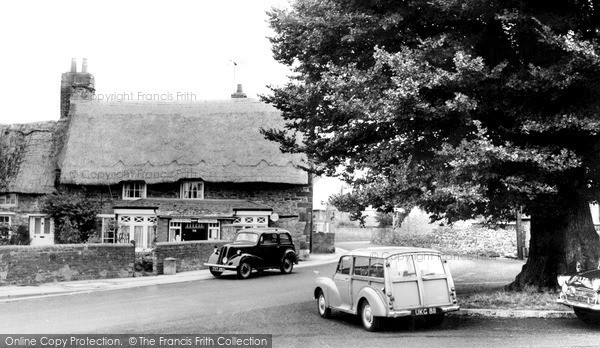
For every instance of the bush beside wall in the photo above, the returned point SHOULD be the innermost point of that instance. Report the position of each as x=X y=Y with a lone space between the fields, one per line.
x=27 y=265
x=323 y=243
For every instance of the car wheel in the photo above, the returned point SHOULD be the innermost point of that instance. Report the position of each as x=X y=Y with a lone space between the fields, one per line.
x=244 y=270
x=587 y=316
x=324 y=311
x=369 y=321
x=215 y=273
x=287 y=265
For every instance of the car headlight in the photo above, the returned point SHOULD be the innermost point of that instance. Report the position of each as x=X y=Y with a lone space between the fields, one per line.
x=224 y=260
x=562 y=282
x=595 y=284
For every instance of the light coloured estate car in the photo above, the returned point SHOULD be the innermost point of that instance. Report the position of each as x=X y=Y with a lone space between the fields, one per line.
x=388 y=282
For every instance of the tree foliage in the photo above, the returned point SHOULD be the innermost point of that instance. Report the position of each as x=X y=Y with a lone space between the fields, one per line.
x=464 y=108
x=74 y=217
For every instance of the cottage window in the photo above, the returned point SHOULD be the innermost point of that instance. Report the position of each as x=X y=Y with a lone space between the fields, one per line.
x=109 y=228
x=134 y=190
x=5 y=219
x=192 y=190
x=138 y=228
x=8 y=200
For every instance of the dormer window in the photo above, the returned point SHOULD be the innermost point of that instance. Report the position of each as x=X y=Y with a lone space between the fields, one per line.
x=134 y=190
x=8 y=200
x=192 y=190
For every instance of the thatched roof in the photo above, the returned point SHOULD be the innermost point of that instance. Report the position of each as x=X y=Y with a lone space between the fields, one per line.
x=27 y=157
x=216 y=208
x=217 y=141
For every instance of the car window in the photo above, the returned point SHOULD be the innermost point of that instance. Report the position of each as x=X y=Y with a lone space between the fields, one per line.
x=376 y=268
x=269 y=239
x=361 y=265
x=429 y=264
x=284 y=238
x=246 y=236
x=344 y=265
x=401 y=267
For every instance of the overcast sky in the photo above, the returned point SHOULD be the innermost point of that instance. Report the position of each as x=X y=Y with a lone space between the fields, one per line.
x=136 y=48
x=133 y=47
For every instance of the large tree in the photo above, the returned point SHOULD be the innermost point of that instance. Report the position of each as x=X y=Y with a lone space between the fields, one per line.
x=466 y=108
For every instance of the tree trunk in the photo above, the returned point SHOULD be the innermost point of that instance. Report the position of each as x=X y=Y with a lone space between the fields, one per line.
x=562 y=234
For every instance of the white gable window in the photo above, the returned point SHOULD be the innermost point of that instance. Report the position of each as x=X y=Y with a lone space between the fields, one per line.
x=134 y=190
x=192 y=190
x=8 y=200
x=250 y=218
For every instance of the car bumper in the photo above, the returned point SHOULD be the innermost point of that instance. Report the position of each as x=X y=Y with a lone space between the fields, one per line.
x=220 y=266
x=407 y=313
x=568 y=303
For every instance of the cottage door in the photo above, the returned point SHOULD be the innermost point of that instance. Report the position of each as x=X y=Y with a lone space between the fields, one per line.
x=41 y=230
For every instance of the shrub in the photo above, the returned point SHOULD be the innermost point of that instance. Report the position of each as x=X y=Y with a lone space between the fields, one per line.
x=384 y=219
x=74 y=216
x=20 y=236
x=4 y=233
x=66 y=233
x=14 y=235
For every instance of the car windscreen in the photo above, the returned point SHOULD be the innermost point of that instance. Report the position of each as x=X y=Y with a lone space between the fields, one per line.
x=246 y=237
x=401 y=267
x=429 y=264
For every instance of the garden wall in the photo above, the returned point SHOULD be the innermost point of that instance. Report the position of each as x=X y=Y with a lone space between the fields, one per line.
x=323 y=243
x=27 y=265
x=189 y=256
x=348 y=234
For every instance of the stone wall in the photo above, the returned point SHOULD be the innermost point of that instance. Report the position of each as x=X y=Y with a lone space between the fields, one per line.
x=27 y=265
x=189 y=256
x=323 y=243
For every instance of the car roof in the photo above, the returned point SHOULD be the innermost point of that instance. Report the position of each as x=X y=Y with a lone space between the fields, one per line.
x=387 y=251
x=260 y=230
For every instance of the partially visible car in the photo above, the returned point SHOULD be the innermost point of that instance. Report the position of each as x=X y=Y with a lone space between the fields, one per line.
x=255 y=249
x=580 y=291
x=388 y=282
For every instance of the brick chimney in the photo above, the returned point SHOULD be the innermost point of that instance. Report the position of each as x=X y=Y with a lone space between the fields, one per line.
x=75 y=85
x=239 y=93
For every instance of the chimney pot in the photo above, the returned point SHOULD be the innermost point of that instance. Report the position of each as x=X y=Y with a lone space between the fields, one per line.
x=73 y=65
x=84 y=66
x=239 y=93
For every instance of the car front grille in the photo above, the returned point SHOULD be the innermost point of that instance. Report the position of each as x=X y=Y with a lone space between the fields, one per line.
x=582 y=295
x=222 y=253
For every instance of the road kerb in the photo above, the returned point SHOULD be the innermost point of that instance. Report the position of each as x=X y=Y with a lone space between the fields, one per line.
x=513 y=313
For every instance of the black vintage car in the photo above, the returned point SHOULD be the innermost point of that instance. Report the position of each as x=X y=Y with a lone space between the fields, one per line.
x=255 y=249
x=581 y=291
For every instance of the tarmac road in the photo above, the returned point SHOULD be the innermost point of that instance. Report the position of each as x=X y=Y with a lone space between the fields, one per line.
x=282 y=305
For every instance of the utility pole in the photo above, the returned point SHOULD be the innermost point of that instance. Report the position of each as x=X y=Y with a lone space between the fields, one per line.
x=520 y=239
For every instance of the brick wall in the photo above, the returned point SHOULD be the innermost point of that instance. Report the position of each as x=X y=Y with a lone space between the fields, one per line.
x=190 y=256
x=26 y=265
x=323 y=243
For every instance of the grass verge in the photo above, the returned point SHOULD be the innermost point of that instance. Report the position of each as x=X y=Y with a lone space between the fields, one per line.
x=530 y=299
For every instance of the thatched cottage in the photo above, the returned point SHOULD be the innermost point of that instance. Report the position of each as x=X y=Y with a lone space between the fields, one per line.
x=161 y=171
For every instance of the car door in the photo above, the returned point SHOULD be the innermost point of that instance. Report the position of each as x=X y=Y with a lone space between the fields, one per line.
x=342 y=280
x=268 y=249
x=432 y=273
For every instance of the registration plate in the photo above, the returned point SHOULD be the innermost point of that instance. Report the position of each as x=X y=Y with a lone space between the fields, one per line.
x=425 y=311
x=218 y=269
